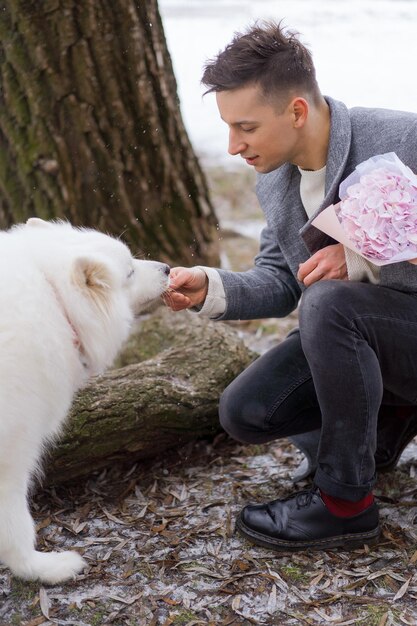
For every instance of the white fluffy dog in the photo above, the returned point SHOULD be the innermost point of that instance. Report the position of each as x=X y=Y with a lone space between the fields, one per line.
x=68 y=298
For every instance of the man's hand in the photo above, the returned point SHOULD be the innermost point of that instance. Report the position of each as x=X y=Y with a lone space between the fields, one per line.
x=187 y=287
x=329 y=262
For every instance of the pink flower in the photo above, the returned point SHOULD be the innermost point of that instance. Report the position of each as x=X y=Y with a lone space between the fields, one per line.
x=378 y=212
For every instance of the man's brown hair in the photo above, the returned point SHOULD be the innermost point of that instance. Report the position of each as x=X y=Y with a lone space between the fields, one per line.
x=267 y=55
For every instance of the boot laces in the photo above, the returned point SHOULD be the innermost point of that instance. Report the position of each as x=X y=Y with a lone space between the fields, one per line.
x=304 y=498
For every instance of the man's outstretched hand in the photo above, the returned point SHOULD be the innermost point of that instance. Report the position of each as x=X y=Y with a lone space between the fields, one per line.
x=187 y=288
x=188 y=285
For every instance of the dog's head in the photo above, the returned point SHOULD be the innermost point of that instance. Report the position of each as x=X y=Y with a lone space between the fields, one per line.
x=101 y=286
x=112 y=272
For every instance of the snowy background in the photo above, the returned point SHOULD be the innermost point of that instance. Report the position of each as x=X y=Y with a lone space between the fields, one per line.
x=365 y=52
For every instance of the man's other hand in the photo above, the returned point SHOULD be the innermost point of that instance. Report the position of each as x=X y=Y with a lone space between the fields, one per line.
x=187 y=288
x=327 y=263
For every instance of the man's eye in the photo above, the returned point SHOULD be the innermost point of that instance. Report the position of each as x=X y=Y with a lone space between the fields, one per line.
x=132 y=271
x=249 y=130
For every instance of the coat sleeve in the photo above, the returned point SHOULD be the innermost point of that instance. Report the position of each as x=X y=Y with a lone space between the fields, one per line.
x=269 y=289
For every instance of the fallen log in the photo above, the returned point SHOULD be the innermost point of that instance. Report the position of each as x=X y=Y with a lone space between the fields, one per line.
x=163 y=393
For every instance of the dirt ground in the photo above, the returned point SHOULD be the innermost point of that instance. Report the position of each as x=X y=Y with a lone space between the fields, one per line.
x=159 y=536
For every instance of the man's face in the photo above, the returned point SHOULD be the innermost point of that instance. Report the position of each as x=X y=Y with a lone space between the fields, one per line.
x=264 y=136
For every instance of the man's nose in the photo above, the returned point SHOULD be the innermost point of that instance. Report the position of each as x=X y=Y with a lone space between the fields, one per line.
x=236 y=145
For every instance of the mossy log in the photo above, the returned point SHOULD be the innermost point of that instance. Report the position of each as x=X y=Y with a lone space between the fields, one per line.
x=163 y=393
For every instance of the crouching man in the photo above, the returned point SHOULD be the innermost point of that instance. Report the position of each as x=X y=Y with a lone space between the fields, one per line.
x=346 y=381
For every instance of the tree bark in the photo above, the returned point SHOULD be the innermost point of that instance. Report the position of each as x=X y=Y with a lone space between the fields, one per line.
x=91 y=130
x=140 y=409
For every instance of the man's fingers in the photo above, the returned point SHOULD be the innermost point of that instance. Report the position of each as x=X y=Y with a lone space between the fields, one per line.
x=313 y=277
x=327 y=263
x=306 y=268
x=179 y=276
x=188 y=287
x=176 y=301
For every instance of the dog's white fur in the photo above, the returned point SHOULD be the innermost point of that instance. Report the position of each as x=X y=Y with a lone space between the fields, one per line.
x=67 y=301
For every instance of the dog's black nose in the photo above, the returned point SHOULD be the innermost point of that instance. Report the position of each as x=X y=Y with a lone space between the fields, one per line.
x=167 y=270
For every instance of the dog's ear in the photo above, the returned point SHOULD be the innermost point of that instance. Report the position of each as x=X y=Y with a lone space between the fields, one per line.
x=36 y=221
x=92 y=274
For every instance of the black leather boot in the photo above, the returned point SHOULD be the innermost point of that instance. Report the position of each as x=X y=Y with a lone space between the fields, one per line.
x=302 y=521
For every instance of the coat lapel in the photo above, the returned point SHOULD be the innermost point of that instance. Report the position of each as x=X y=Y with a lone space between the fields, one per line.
x=339 y=147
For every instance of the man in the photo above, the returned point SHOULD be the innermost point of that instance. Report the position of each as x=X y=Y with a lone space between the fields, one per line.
x=352 y=363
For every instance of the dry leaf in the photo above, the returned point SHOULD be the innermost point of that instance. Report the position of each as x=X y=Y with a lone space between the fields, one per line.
x=160 y=527
x=43 y=523
x=317 y=579
x=406 y=619
x=44 y=602
x=128 y=601
x=272 y=601
x=327 y=618
x=113 y=518
x=37 y=621
x=142 y=512
x=236 y=602
x=240 y=566
x=171 y=601
x=402 y=590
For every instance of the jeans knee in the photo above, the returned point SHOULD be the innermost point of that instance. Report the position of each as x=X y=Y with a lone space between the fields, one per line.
x=321 y=304
x=320 y=296
x=241 y=417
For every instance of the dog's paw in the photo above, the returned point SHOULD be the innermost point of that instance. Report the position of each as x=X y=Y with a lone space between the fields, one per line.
x=53 y=567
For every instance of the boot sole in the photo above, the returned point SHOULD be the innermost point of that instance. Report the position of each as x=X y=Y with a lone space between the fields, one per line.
x=345 y=542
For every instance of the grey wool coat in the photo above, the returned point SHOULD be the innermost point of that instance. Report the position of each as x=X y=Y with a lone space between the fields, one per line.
x=271 y=288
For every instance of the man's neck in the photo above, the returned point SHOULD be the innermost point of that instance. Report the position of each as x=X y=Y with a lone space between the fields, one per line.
x=316 y=138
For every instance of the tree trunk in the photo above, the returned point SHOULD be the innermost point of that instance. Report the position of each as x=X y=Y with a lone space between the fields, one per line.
x=141 y=409
x=90 y=127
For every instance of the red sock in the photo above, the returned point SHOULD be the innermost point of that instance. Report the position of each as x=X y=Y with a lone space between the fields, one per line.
x=346 y=508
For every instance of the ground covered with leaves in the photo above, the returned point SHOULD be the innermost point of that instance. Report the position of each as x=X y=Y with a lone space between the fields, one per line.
x=161 y=548
x=159 y=536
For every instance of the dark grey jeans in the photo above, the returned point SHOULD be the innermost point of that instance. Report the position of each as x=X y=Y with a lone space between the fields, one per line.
x=356 y=349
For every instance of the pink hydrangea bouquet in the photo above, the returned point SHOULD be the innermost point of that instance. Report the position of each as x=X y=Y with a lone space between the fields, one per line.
x=377 y=214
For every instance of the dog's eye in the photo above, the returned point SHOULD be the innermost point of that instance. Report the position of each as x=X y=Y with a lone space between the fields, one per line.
x=132 y=271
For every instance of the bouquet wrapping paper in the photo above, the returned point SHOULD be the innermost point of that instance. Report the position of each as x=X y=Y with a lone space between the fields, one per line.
x=377 y=214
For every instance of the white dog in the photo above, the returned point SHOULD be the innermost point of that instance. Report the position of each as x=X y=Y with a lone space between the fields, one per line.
x=68 y=297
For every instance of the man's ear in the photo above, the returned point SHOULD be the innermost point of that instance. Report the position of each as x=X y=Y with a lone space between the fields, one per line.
x=36 y=221
x=92 y=274
x=299 y=111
